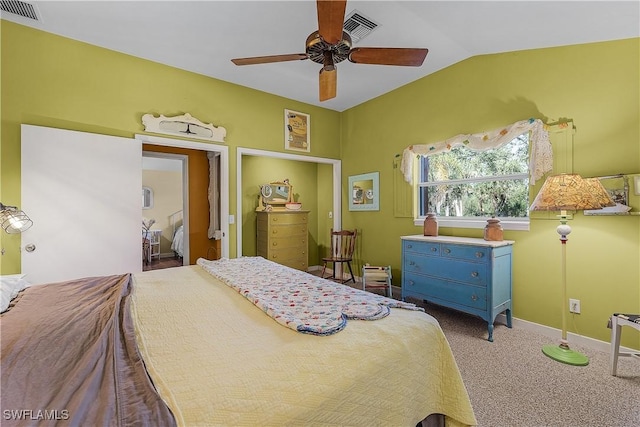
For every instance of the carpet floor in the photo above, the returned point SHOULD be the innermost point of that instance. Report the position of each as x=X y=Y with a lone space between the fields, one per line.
x=511 y=383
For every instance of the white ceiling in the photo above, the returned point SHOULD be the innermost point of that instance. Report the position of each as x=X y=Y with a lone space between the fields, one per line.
x=203 y=36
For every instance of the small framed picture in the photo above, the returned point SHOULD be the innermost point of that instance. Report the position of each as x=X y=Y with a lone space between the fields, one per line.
x=297 y=131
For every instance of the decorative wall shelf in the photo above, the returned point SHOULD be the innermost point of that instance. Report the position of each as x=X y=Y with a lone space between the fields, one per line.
x=185 y=126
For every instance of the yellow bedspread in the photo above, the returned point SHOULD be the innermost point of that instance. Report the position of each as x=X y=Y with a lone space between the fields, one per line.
x=218 y=360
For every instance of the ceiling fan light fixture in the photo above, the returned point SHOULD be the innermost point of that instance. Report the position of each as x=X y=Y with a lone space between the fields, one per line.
x=328 y=64
x=316 y=48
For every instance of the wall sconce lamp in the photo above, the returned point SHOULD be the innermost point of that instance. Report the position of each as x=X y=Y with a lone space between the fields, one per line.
x=564 y=193
x=14 y=220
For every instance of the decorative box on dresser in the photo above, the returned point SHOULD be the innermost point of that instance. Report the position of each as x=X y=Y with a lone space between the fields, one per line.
x=469 y=275
x=283 y=237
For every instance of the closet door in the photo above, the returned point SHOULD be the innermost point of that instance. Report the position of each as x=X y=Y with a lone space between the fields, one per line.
x=83 y=193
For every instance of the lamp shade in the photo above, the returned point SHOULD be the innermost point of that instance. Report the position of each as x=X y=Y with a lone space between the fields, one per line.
x=572 y=193
x=13 y=220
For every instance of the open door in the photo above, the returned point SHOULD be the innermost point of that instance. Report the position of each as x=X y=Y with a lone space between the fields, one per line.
x=82 y=191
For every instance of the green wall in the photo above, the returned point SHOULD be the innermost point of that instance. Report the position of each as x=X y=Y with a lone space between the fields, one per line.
x=52 y=81
x=595 y=85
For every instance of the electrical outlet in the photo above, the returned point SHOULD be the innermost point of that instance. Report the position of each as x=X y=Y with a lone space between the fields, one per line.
x=574 y=306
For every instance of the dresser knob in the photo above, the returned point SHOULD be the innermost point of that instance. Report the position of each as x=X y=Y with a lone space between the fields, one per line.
x=474 y=274
x=479 y=254
x=274 y=219
x=448 y=250
x=474 y=297
x=274 y=244
x=274 y=232
x=411 y=283
x=434 y=249
x=412 y=263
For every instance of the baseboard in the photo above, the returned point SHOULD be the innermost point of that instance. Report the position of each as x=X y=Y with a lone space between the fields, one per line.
x=555 y=334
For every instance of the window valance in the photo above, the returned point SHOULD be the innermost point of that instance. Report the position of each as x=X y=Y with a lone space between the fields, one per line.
x=540 y=151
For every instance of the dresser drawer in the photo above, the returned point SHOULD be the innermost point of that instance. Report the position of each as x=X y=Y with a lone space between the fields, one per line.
x=445 y=292
x=472 y=253
x=288 y=242
x=288 y=230
x=286 y=254
x=287 y=218
x=426 y=248
x=298 y=263
x=442 y=267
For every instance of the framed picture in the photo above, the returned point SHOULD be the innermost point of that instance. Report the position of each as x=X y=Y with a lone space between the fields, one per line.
x=364 y=192
x=297 y=131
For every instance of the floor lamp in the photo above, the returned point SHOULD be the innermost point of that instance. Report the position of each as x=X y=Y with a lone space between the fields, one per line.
x=564 y=193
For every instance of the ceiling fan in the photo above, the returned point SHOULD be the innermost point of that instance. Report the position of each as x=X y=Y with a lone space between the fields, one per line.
x=331 y=45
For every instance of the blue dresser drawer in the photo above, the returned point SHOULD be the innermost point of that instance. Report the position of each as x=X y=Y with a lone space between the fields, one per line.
x=442 y=267
x=470 y=253
x=426 y=248
x=445 y=293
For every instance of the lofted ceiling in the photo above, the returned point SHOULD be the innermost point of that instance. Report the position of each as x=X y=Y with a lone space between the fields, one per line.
x=203 y=36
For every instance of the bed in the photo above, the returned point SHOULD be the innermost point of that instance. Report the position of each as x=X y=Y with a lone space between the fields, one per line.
x=206 y=347
x=177 y=244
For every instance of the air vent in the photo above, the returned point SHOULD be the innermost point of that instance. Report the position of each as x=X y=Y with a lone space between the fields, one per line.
x=358 y=26
x=20 y=8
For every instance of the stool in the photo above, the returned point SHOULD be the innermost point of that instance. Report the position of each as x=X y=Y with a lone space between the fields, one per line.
x=377 y=278
x=617 y=321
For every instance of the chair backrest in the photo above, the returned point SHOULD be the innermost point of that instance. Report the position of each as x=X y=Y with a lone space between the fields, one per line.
x=343 y=243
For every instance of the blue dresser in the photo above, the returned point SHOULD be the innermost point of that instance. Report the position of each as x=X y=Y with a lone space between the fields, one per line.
x=466 y=274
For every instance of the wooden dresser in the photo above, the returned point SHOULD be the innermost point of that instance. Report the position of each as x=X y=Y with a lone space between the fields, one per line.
x=470 y=275
x=283 y=237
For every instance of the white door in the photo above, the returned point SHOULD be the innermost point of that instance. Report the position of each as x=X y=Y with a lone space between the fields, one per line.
x=82 y=192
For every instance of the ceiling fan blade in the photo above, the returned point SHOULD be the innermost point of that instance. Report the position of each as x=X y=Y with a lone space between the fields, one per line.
x=328 y=84
x=331 y=19
x=266 y=59
x=388 y=56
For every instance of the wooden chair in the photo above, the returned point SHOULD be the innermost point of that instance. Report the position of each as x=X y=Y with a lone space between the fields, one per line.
x=343 y=244
x=617 y=322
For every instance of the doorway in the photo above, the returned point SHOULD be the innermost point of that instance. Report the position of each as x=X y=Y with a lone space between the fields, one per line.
x=196 y=207
x=165 y=183
x=336 y=198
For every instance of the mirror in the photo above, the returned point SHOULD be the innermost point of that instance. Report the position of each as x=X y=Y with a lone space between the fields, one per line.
x=364 y=192
x=275 y=195
x=147 y=198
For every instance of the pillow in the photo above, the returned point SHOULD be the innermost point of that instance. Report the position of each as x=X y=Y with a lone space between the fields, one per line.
x=9 y=287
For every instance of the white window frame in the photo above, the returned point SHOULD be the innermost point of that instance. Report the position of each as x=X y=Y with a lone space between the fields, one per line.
x=507 y=223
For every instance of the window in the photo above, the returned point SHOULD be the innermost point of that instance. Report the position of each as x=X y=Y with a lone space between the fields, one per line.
x=468 y=186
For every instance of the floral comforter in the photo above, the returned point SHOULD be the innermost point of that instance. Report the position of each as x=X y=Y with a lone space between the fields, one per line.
x=299 y=300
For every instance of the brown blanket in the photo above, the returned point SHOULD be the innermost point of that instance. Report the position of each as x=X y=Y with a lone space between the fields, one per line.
x=69 y=357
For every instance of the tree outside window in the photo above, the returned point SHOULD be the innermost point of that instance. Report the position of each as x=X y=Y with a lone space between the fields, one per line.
x=467 y=183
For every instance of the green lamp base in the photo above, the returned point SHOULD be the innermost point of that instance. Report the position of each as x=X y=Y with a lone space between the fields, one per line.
x=565 y=355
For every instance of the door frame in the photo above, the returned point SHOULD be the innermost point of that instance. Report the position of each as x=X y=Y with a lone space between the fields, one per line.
x=223 y=150
x=337 y=184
